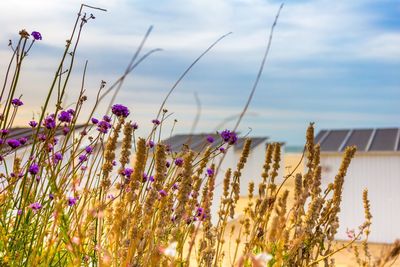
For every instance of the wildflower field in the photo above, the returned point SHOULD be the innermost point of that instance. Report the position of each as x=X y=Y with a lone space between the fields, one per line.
x=79 y=190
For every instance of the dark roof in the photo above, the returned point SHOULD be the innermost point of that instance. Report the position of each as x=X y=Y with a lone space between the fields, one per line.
x=198 y=142
x=366 y=140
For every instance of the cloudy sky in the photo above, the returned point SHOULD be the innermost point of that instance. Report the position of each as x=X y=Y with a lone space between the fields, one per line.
x=336 y=63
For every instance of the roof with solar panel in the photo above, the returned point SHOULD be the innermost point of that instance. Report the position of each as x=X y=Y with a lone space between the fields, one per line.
x=366 y=140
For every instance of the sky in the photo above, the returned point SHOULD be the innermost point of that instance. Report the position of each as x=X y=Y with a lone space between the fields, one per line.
x=335 y=63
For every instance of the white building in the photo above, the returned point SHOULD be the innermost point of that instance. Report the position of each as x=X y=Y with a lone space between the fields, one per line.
x=376 y=167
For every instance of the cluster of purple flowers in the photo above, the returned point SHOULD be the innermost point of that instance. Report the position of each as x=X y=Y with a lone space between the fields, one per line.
x=50 y=122
x=104 y=125
x=127 y=172
x=156 y=122
x=150 y=144
x=13 y=143
x=35 y=206
x=57 y=157
x=210 y=139
x=16 y=102
x=65 y=116
x=33 y=124
x=229 y=137
x=210 y=172
x=120 y=110
x=72 y=201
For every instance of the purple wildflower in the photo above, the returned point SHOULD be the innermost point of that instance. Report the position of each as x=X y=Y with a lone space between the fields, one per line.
x=94 y=120
x=199 y=211
x=168 y=164
x=155 y=122
x=16 y=102
x=82 y=158
x=162 y=193
x=229 y=137
x=89 y=149
x=42 y=137
x=114 y=163
x=36 y=35
x=135 y=126
x=33 y=169
x=127 y=172
x=150 y=144
x=51 y=196
x=19 y=212
x=210 y=172
x=1 y=141
x=33 y=124
x=35 y=206
x=179 y=162
x=144 y=177
x=65 y=130
x=4 y=132
x=64 y=116
x=103 y=126
x=13 y=143
x=107 y=118
x=210 y=139
x=151 y=178
x=72 y=201
x=175 y=186
x=120 y=110
x=71 y=111
x=222 y=150
x=49 y=122
x=23 y=140
x=57 y=157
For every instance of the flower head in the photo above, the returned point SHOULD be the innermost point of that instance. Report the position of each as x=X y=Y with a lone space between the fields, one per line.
x=57 y=157
x=106 y=118
x=210 y=172
x=64 y=116
x=82 y=158
x=179 y=162
x=210 y=139
x=103 y=126
x=35 y=206
x=50 y=122
x=135 y=126
x=162 y=193
x=155 y=122
x=150 y=144
x=127 y=172
x=72 y=201
x=33 y=124
x=33 y=169
x=13 y=143
x=94 y=120
x=120 y=110
x=23 y=140
x=229 y=136
x=16 y=102
x=36 y=35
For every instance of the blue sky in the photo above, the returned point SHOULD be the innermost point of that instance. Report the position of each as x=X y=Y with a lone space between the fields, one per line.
x=336 y=63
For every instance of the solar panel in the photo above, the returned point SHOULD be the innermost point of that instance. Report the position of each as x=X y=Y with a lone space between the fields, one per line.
x=334 y=140
x=384 y=140
x=359 y=138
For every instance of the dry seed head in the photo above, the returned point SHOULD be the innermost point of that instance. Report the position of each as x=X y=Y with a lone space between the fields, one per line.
x=126 y=145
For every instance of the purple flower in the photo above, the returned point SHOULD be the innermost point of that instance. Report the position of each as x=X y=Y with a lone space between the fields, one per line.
x=16 y=102
x=107 y=118
x=199 y=211
x=64 y=116
x=168 y=164
x=51 y=196
x=179 y=162
x=36 y=35
x=13 y=143
x=23 y=140
x=33 y=169
x=72 y=201
x=49 y=122
x=1 y=141
x=120 y=110
x=155 y=122
x=229 y=137
x=210 y=139
x=42 y=137
x=103 y=126
x=89 y=149
x=222 y=150
x=19 y=212
x=162 y=193
x=33 y=124
x=150 y=144
x=57 y=157
x=135 y=126
x=82 y=158
x=4 y=132
x=94 y=120
x=114 y=163
x=127 y=172
x=144 y=177
x=71 y=111
x=210 y=172
x=174 y=186
x=151 y=178
x=65 y=130
x=35 y=206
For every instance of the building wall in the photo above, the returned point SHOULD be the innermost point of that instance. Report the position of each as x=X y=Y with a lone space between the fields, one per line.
x=380 y=174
